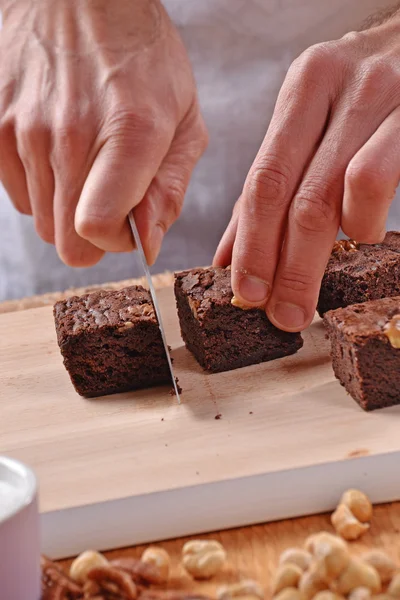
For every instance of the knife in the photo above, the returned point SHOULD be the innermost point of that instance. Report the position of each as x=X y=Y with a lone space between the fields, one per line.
x=143 y=260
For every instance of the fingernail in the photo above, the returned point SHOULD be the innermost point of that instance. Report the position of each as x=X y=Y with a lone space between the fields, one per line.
x=289 y=316
x=253 y=290
x=157 y=237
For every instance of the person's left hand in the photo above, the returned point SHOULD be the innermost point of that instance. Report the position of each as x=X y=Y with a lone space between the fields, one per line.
x=330 y=158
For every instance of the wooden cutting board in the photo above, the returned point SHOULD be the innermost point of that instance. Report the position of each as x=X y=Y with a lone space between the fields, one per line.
x=137 y=467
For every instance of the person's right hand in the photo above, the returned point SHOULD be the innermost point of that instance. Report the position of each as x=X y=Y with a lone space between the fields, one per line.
x=98 y=115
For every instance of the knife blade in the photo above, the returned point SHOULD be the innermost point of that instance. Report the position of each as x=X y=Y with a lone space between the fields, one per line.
x=143 y=260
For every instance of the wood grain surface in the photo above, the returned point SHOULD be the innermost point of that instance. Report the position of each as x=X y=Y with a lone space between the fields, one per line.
x=254 y=551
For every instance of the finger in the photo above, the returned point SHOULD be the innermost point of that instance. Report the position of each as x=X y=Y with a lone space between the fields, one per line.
x=69 y=160
x=34 y=149
x=12 y=172
x=119 y=178
x=223 y=255
x=370 y=183
x=163 y=201
x=314 y=219
x=295 y=130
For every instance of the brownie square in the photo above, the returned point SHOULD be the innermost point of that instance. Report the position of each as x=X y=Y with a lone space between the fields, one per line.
x=359 y=272
x=222 y=336
x=365 y=342
x=111 y=342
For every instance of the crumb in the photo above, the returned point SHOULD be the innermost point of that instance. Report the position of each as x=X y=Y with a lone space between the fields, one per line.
x=218 y=416
x=172 y=390
x=162 y=419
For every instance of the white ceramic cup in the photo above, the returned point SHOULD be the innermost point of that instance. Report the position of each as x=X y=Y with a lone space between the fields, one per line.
x=19 y=532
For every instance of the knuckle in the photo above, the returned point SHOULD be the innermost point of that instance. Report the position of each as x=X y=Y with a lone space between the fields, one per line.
x=375 y=80
x=130 y=119
x=91 y=227
x=68 y=139
x=317 y=60
x=174 y=199
x=268 y=187
x=314 y=209
x=29 y=134
x=296 y=280
x=364 y=177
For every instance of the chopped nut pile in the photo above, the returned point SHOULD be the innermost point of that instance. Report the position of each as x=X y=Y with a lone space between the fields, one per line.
x=93 y=577
x=325 y=568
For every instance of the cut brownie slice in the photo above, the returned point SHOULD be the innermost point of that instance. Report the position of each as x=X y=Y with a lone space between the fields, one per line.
x=222 y=336
x=359 y=272
x=111 y=342
x=365 y=341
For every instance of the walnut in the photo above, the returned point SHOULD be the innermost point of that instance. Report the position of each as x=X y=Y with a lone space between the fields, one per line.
x=392 y=331
x=108 y=583
x=56 y=585
x=345 y=246
x=84 y=563
x=159 y=558
x=203 y=558
x=142 y=573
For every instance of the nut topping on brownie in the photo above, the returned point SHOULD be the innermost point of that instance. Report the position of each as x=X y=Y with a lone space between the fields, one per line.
x=392 y=331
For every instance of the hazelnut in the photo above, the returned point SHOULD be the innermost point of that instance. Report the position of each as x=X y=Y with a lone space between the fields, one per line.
x=289 y=594
x=247 y=588
x=203 y=558
x=84 y=563
x=313 y=581
x=392 y=331
x=330 y=551
x=287 y=575
x=296 y=556
x=346 y=524
x=359 y=574
x=385 y=566
x=160 y=559
x=327 y=595
x=394 y=586
x=359 y=504
x=360 y=593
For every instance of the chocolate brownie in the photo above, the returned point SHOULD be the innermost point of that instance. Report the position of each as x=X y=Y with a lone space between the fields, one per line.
x=365 y=341
x=111 y=342
x=359 y=272
x=220 y=335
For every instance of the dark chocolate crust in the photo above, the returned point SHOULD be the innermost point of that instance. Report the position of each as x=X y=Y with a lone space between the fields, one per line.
x=364 y=360
x=368 y=273
x=111 y=342
x=222 y=336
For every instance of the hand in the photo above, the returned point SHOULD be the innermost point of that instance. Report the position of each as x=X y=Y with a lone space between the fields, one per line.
x=99 y=114
x=330 y=157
